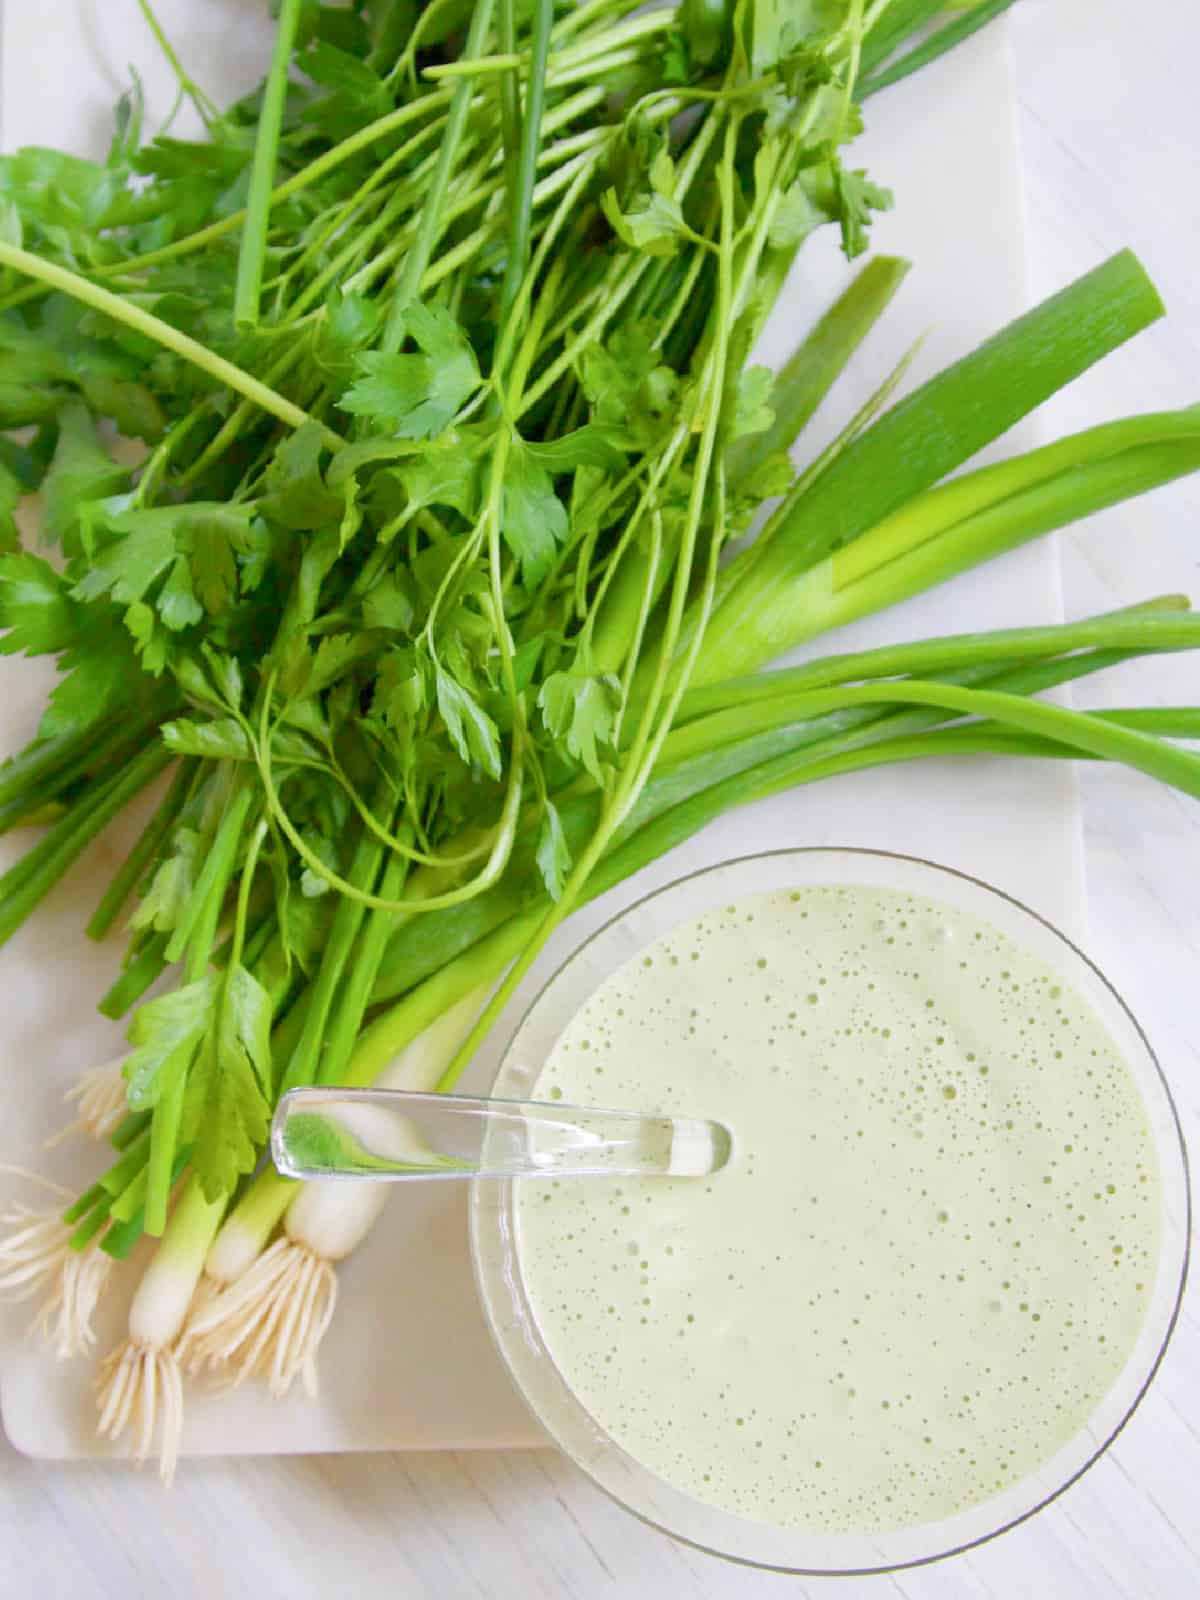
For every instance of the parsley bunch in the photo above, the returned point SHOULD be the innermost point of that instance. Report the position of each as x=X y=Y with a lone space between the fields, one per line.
x=436 y=384
x=434 y=354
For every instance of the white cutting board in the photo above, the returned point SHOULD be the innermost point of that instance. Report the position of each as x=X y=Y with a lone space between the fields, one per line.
x=407 y=1364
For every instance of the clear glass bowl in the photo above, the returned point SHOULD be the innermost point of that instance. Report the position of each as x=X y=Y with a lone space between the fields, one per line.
x=498 y=1266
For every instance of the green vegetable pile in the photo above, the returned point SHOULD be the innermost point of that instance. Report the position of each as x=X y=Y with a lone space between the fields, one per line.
x=417 y=605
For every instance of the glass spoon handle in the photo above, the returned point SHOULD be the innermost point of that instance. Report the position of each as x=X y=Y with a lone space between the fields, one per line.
x=396 y=1134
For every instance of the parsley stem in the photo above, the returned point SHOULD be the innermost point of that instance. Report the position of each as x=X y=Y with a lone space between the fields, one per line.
x=627 y=282
x=360 y=981
x=684 y=296
x=235 y=422
x=526 y=168
x=162 y=333
x=306 y=1061
x=657 y=714
x=317 y=169
x=341 y=218
x=501 y=64
x=502 y=841
x=510 y=100
x=195 y=933
x=146 y=967
x=429 y=229
x=245 y=884
x=205 y=108
x=28 y=882
x=252 y=252
x=46 y=768
x=143 y=853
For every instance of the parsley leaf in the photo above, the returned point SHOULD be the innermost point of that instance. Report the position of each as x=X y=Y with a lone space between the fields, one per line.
x=226 y=1109
x=351 y=324
x=12 y=491
x=400 y=689
x=778 y=27
x=357 y=95
x=417 y=396
x=214 y=570
x=676 y=57
x=533 y=520
x=131 y=406
x=35 y=607
x=752 y=410
x=144 y=543
x=653 y=221
x=795 y=218
x=472 y=732
x=144 y=549
x=100 y=675
x=171 y=886
x=553 y=854
x=593 y=445
x=152 y=642
x=165 y=1033
x=581 y=713
x=80 y=471
x=390 y=605
x=447 y=475
x=223 y=739
x=857 y=198
x=296 y=495
x=627 y=383
x=177 y=603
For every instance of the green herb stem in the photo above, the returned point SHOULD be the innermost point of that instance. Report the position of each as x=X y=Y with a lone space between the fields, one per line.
x=31 y=879
x=361 y=978
x=146 y=968
x=527 y=157
x=194 y=938
x=143 y=853
x=305 y=1062
x=420 y=251
x=162 y=333
x=252 y=252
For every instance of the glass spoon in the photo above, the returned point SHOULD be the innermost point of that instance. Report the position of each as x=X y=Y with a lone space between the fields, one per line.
x=395 y=1134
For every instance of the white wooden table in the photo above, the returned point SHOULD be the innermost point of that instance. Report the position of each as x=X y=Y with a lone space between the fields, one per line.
x=1111 y=154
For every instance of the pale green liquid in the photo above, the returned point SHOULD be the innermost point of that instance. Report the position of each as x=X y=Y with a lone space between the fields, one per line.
x=931 y=1253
